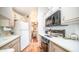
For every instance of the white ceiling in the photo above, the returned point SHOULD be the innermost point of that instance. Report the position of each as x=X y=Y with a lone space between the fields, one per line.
x=23 y=10
x=26 y=10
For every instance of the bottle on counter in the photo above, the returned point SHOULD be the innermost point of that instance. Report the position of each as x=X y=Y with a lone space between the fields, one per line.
x=50 y=32
x=74 y=36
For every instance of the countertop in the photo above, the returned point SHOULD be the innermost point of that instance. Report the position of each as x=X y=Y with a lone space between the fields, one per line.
x=7 y=39
x=70 y=45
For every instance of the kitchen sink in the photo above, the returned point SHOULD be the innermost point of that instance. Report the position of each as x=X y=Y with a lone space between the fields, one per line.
x=49 y=36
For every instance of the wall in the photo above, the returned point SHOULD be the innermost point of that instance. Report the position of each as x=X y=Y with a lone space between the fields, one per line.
x=41 y=21
x=33 y=15
x=73 y=28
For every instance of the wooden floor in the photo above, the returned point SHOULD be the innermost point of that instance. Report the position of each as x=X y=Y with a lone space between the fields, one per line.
x=35 y=46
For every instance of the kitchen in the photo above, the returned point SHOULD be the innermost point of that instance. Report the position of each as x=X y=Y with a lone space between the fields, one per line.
x=56 y=29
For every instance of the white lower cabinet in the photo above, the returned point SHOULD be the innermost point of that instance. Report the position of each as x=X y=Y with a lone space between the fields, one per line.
x=55 y=48
x=51 y=48
x=15 y=44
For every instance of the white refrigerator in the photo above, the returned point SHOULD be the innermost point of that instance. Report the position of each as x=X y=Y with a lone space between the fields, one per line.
x=22 y=29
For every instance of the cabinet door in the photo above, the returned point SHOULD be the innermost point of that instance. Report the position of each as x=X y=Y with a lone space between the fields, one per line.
x=14 y=44
x=51 y=10
x=69 y=13
x=58 y=49
x=16 y=47
x=55 y=48
x=6 y=18
x=5 y=12
x=51 y=48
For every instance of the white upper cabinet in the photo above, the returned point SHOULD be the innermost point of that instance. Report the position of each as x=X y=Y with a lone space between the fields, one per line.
x=4 y=22
x=51 y=10
x=69 y=14
x=54 y=9
x=5 y=12
x=6 y=17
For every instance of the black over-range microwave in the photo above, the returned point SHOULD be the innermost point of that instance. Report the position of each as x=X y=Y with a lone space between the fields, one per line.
x=54 y=19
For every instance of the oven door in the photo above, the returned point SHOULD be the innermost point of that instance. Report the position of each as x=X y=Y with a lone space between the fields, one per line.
x=45 y=40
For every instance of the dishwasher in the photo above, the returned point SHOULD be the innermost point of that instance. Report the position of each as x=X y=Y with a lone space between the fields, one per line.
x=45 y=44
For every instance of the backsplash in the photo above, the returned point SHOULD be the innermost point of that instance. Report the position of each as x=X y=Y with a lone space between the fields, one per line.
x=72 y=28
x=2 y=33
